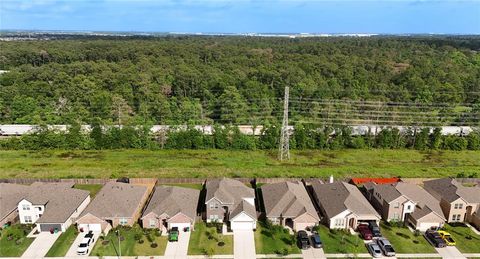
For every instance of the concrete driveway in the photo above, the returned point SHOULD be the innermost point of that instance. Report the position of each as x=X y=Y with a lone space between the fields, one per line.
x=313 y=253
x=450 y=252
x=179 y=249
x=72 y=252
x=243 y=244
x=40 y=246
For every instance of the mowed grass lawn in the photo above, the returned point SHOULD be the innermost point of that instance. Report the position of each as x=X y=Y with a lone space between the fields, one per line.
x=205 y=240
x=461 y=235
x=214 y=163
x=404 y=241
x=92 y=188
x=129 y=246
x=340 y=242
x=63 y=243
x=14 y=241
x=274 y=240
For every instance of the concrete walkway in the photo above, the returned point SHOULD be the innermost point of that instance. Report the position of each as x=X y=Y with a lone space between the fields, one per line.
x=178 y=250
x=72 y=251
x=243 y=244
x=313 y=253
x=40 y=246
x=450 y=252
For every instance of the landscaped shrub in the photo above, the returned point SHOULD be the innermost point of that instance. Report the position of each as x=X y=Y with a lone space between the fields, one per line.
x=153 y=245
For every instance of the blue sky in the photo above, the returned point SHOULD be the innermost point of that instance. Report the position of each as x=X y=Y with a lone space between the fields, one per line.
x=316 y=16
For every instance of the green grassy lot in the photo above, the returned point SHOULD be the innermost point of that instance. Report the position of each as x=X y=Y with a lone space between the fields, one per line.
x=404 y=241
x=92 y=188
x=274 y=240
x=18 y=243
x=459 y=234
x=337 y=241
x=204 y=240
x=63 y=243
x=187 y=185
x=210 y=163
x=129 y=246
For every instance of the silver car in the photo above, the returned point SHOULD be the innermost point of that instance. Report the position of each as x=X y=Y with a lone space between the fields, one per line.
x=374 y=250
x=386 y=247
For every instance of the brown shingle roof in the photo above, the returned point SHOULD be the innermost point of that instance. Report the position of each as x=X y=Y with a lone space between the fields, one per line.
x=10 y=195
x=172 y=200
x=116 y=200
x=287 y=199
x=450 y=190
x=340 y=196
x=230 y=191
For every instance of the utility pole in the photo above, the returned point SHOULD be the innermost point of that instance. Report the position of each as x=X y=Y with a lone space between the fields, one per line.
x=284 y=148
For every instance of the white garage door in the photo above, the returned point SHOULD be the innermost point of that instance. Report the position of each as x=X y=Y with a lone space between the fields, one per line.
x=90 y=227
x=425 y=226
x=180 y=226
x=242 y=225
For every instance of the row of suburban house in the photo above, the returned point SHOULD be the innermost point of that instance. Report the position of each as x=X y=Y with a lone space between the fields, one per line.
x=294 y=204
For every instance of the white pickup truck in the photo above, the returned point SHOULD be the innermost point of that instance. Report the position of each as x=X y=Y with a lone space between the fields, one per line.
x=84 y=246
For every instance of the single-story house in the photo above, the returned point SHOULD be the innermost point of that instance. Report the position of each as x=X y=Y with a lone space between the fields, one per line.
x=231 y=201
x=115 y=204
x=10 y=195
x=406 y=202
x=288 y=204
x=343 y=205
x=52 y=206
x=171 y=206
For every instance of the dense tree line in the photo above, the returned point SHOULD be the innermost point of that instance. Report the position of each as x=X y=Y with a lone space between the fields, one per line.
x=239 y=80
x=303 y=137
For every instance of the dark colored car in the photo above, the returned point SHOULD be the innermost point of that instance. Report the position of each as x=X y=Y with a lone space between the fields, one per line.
x=374 y=228
x=303 y=240
x=365 y=231
x=316 y=241
x=435 y=239
x=90 y=235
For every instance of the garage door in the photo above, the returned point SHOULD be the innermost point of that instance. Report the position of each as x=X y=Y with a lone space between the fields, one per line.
x=425 y=226
x=90 y=227
x=180 y=226
x=242 y=225
x=47 y=227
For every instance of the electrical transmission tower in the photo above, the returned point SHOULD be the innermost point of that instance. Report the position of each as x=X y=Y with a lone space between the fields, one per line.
x=284 y=148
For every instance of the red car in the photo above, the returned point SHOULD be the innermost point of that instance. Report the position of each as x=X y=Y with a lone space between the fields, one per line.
x=365 y=231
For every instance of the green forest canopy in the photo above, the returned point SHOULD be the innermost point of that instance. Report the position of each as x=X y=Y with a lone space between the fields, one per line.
x=241 y=80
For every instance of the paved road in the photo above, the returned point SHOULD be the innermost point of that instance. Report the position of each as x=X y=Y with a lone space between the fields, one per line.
x=72 y=251
x=178 y=250
x=450 y=252
x=243 y=244
x=313 y=253
x=40 y=246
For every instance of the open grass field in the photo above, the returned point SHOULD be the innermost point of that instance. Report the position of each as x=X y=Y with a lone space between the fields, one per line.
x=215 y=163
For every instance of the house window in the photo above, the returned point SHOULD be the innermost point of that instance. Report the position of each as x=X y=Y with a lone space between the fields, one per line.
x=397 y=205
x=339 y=222
x=456 y=217
x=396 y=216
x=123 y=221
x=458 y=206
x=213 y=217
x=28 y=219
x=153 y=223
x=214 y=205
x=26 y=207
x=409 y=207
x=39 y=208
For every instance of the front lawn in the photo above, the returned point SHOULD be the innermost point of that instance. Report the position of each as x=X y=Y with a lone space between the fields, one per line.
x=63 y=243
x=271 y=239
x=92 y=188
x=206 y=241
x=467 y=241
x=340 y=241
x=404 y=241
x=14 y=241
x=129 y=243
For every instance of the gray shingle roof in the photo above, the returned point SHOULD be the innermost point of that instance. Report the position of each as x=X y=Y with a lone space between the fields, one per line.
x=287 y=199
x=172 y=200
x=451 y=190
x=116 y=200
x=10 y=195
x=246 y=207
x=230 y=191
x=340 y=196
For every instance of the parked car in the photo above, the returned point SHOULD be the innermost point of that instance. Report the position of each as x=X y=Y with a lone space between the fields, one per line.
x=303 y=240
x=447 y=238
x=365 y=231
x=435 y=239
x=83 y=247
x=374 y=250
x=386 y=247
x=374 y=228
x=316 y=241
x=173 y=234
